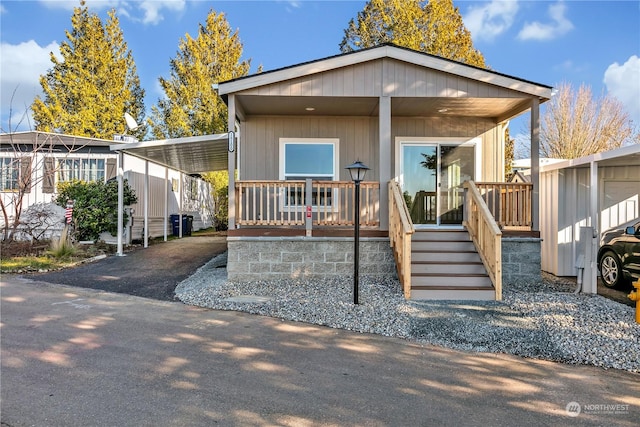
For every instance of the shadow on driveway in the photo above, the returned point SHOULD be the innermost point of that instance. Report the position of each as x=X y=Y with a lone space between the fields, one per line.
x=153 y=272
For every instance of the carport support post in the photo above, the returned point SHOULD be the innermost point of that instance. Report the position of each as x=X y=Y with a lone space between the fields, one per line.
x=591 y=261
x=120 y=201
x=146 y=203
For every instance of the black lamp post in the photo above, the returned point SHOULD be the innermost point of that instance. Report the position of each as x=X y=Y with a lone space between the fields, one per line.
x=357 y=170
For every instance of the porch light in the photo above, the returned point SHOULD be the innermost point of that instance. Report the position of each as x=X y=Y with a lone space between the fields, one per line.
x=357 y=171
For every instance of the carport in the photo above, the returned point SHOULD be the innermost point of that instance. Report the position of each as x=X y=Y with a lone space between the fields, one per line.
x=189 y=155
x=579 y=200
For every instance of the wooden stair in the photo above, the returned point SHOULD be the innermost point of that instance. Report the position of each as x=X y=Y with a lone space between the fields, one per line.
x=446 y=266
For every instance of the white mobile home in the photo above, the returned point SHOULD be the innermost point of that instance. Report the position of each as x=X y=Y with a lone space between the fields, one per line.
x=38 y=161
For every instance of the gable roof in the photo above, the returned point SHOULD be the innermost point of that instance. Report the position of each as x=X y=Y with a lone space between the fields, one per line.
x=386 y=51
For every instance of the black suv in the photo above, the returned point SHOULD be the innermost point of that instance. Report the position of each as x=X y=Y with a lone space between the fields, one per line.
x=619 y=255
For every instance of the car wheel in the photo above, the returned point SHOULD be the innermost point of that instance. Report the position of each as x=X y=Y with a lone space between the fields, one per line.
x=610 y=270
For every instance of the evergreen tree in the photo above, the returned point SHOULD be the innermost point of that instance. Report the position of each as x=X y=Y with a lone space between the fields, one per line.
x=434 y=27
x=192 y=105
x=87 y=92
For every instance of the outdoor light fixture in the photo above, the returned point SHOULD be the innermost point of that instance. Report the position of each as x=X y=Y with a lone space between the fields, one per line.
x=357 y=171
x=231 y=142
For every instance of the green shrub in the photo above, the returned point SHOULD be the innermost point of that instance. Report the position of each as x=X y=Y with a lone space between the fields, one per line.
x=95 y=206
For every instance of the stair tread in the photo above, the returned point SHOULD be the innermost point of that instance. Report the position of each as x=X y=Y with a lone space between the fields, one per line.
x=448 y=262
x=451 y=287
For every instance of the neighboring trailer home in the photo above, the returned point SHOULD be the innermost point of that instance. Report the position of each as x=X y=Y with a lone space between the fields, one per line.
x=38 y=161
x=591 y=194
x=435 y=209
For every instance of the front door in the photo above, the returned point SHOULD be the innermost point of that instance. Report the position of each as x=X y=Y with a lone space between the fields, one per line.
x=431 y=177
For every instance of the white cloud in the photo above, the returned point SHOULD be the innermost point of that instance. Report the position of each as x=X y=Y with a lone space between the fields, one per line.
x=491 y=19
x=559 y=25
x=623 y=82
x=151 y=10
x=20 y=71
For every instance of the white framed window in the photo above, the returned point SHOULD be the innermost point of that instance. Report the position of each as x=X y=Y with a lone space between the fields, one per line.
x=309 y=158
x=81 y=169
x=9 y=173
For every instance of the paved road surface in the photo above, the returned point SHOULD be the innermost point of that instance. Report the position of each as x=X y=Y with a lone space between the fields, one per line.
x=81 y=357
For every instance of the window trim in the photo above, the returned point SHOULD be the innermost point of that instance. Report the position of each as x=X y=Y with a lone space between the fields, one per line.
x=14 y=165
x=335 y=142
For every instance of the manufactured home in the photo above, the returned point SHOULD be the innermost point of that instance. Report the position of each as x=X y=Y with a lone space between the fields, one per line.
x=434 y=210
x=38 y=161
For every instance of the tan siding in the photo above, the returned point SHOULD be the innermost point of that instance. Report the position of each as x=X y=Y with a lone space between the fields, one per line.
x=261 y=138
x=366 y=79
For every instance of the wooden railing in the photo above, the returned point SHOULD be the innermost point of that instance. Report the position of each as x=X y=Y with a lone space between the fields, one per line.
x=509 y=203
x=485 y=234
x=400 y=231
x=299 y=203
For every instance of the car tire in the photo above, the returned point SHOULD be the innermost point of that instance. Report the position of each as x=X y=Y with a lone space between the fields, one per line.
x=610 y=270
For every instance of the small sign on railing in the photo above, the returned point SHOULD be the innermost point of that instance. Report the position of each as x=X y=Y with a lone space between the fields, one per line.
x=308 y=211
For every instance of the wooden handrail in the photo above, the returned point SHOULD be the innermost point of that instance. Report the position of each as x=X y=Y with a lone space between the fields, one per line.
x=485 y=233
x=283 y=203
x=400 y=231
x=509 y=203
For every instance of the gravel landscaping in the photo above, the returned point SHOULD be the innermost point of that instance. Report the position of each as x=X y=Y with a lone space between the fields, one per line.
x=542 y=320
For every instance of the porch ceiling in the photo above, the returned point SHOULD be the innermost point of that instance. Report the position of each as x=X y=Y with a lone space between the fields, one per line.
x=498 y=108
x=197 y=154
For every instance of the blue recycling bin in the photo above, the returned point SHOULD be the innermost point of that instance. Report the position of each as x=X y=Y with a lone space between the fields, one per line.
x=187 y=224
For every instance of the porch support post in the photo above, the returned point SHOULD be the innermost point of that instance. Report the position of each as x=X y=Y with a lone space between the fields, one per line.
x=120 y=174
x=535 y=164
x=231 y=163
x=308 y=201
x=384 y=159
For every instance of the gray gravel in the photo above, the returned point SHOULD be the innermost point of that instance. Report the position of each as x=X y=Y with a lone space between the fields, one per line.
x=543 y=320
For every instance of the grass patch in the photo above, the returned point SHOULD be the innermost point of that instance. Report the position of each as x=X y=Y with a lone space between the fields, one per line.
x=33 y=263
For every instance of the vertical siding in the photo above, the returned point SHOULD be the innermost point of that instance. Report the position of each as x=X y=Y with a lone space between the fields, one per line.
x=259 y=154
x=565 y=204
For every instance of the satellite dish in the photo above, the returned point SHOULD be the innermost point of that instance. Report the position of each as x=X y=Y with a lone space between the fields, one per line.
x=131 y=122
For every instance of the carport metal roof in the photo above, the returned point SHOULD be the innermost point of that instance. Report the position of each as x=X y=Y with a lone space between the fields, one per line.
x=191 y=155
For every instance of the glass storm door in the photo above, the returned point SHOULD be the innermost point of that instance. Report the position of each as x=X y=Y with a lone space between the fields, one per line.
x=431 y=181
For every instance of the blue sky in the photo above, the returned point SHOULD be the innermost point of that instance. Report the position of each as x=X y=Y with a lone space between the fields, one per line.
x=596 y=43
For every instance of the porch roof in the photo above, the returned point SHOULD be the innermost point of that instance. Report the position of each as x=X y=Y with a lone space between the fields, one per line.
x=191 y=155
x=251 y=100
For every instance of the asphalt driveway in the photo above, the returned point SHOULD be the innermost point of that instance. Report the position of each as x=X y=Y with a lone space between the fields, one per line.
x=152 y=272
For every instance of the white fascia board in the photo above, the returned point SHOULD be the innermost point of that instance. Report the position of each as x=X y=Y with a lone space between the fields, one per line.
x=585 y=162
x=167 y=142
x=393 y=52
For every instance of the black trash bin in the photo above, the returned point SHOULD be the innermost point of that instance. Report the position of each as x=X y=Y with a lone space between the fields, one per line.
x=187 y=224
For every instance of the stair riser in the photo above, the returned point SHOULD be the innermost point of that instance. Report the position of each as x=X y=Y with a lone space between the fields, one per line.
x=453 y=294
x=446 y=236
x=448 y=268
x=442 y=246
x=445 y=256
x=446 y=280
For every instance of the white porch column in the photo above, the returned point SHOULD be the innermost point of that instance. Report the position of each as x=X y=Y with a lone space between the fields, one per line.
x=592 y=263
x=535 y=164
x=231 y=162
x=120 y=171
x=146 y=203
x=384 y=158
x=166 y=201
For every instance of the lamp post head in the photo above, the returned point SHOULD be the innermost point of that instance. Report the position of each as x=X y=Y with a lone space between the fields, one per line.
x=357 y=171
